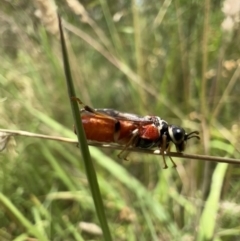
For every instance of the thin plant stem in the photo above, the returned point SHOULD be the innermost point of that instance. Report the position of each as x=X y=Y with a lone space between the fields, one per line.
x=118 y=147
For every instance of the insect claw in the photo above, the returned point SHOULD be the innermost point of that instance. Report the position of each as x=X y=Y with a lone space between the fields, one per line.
x=174 y=165
x=74 y=98
x=164 y=162
x=123 y=155
x=165 y=166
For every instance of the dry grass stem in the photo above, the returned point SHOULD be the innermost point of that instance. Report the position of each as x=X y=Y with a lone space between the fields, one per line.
x=47 y=12
x=118 y=147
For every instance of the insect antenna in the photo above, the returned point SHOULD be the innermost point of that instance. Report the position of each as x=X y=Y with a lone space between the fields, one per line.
x=192 y=135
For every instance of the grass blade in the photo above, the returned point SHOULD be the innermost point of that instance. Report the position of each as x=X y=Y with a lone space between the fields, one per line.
x=30 y=228
x=208 y=219
x=91 y=175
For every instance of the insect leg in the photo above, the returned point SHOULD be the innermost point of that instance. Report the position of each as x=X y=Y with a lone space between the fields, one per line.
x=124 y=153
x=92 y=110
x=162 y=150
x=166 y=148
x=85 y=107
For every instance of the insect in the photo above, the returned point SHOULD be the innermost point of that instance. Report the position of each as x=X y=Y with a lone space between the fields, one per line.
x=130 y=130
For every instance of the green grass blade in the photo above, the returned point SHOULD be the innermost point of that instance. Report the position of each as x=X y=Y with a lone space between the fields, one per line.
x=30 y=228
x=209 y=215
x=91 y=175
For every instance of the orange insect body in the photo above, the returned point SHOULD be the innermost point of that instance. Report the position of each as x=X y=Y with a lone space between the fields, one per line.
x=98 y=129
x=130 y=130
x=108 y=130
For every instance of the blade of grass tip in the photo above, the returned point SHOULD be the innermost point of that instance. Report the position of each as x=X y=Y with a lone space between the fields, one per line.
x=30 y=228
x=83 y=146
x=208 y=219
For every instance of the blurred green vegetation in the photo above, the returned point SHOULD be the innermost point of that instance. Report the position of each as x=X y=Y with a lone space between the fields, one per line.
x=175 y=59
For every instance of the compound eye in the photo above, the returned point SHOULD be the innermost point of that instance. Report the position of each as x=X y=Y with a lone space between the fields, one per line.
x=177 y=134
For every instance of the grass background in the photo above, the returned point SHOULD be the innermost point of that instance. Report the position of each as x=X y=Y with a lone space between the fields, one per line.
x=175 y=59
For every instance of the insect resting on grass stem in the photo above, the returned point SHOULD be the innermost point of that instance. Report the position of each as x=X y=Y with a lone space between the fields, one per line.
x=130 y=130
